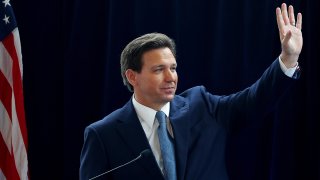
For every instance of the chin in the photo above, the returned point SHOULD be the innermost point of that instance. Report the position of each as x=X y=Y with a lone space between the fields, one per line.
x=169 y=98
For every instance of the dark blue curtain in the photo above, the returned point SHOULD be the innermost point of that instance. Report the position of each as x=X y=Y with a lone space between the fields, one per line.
x=71 y=51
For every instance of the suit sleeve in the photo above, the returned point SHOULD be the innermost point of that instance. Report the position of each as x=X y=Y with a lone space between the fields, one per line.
x=92 y=159
x=252 y=103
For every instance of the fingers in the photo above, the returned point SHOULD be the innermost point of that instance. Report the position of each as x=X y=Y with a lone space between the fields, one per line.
x=299 y=21
x=291 y=16
x=284 y=13
x=285 y=18
x=280 y=21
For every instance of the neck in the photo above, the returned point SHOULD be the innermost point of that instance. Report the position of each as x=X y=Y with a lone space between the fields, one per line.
x=154 y=106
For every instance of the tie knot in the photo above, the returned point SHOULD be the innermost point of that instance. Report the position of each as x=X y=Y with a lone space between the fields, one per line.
x=161 y=116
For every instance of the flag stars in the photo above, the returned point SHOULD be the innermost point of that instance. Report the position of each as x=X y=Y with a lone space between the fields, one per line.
x=6 y=3
x=6 y=19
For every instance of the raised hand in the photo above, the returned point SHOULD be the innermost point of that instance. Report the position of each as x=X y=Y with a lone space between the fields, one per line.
x=290 y=35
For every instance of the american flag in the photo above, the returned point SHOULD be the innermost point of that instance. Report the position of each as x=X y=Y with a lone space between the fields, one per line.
x=13 y=130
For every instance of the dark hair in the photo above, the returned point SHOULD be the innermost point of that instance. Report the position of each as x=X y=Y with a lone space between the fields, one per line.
x=132 y=53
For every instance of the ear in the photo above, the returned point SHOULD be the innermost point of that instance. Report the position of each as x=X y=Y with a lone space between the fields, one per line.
x=131 y=76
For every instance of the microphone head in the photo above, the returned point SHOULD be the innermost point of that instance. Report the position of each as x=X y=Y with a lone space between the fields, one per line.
x=145 y=153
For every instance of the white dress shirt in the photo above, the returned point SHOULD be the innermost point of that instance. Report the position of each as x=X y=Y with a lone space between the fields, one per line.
x=149 y=124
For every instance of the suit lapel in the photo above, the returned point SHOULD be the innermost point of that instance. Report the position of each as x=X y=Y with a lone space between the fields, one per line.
x=178 y=109
x=132 y=133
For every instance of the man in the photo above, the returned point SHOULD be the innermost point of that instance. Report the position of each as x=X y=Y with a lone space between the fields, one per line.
x=197 y=122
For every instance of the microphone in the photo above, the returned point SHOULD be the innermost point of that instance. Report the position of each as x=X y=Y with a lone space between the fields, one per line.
x=144 y=153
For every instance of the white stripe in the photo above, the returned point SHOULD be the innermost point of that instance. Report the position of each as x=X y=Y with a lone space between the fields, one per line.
x=17 y=45
x=6 y=64
x=5 y=126
x=2 y=177
x=19 y=149
x=6 y=69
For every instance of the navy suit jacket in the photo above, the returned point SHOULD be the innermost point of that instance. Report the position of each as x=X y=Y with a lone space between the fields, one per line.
x=201 y=122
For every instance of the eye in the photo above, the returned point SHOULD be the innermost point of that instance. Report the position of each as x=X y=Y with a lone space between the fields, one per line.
x=173 y=69
x=159 y=69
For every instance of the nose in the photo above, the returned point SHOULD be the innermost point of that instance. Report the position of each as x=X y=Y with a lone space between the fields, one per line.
x=170 y=75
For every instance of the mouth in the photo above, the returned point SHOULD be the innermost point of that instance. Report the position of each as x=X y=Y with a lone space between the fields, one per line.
x=170 y=87
x=169 y=90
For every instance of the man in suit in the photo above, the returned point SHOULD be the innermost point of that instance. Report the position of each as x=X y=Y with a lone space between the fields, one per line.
x=198 y=122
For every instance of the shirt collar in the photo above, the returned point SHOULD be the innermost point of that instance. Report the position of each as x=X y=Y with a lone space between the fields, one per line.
x=148 y=114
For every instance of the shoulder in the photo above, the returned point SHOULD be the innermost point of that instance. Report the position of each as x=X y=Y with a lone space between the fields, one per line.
x=111 y=120
x=197 y=96
x=197 y=93
x=197 y=90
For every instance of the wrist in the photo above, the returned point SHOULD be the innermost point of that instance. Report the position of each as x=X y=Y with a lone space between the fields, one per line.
x=290 y=61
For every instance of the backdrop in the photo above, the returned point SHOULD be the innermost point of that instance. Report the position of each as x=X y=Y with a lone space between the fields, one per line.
x=71 y=51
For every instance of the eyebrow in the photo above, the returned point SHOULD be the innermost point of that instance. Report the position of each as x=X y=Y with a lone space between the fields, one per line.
x=162 y=65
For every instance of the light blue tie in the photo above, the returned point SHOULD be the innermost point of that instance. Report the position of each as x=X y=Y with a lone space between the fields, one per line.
x=167 y=148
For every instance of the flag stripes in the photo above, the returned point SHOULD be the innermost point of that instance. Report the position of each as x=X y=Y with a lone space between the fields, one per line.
x=13 y=130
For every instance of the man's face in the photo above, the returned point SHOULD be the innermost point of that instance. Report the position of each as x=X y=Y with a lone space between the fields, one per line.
x=156 y=84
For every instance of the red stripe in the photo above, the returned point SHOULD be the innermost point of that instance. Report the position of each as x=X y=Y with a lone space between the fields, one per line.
x=17 y=86
x=5 y=93
x=7 y=164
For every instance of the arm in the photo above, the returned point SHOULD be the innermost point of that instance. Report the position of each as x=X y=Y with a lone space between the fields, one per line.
x=245 y=107
x=261 y=97
x=290 y=35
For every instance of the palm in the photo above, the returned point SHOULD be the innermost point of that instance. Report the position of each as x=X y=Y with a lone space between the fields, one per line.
x=294 y=45
x=290 y=33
